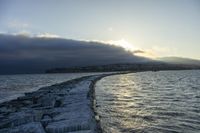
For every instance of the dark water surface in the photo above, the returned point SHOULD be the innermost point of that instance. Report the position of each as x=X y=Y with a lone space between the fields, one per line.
x=152 y=102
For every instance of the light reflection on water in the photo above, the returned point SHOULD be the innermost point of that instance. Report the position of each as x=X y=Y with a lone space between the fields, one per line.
x=150 y=102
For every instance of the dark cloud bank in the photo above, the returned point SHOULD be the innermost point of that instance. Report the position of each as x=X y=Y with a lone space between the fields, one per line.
x=22 y=54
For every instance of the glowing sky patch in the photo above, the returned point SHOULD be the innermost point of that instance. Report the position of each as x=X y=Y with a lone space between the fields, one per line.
x=124 y=44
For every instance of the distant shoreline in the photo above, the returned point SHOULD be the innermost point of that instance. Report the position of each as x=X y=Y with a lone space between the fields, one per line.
x=125 y=67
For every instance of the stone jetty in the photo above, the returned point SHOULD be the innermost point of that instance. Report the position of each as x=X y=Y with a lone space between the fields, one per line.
x=61 y=108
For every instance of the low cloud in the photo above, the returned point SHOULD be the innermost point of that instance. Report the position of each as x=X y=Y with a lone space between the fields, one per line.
x=24 y=54
x=47 y=35
x=139 y=52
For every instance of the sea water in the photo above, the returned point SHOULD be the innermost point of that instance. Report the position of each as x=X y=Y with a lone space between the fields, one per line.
x=150 y=102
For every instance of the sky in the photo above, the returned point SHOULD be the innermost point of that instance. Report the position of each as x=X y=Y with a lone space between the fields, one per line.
x=158 y=27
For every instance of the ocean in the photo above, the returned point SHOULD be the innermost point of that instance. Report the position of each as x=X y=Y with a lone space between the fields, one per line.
x=150 y=102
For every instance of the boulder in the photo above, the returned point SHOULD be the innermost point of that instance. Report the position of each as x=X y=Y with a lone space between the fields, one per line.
x=47 y=100
x=79 y=115
x=34 y=127
x=83 y=131
x=68 y=126
x=45 y=120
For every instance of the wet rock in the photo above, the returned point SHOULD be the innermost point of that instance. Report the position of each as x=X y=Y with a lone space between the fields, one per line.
x=47 y=100
x=80 y=115
x=6 y=110
x=4 y=130
x=58 y=102
x=5 y=123
x=24 y=98
x=20 y=118
x=27 y=102
x=37 y=114
x=45 y=120
x=33 y=127
x=85 y=131
x=36 y=105
x=68 y=126
x=97 y=118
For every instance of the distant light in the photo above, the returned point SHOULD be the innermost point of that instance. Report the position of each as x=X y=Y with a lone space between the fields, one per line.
x=124 y=44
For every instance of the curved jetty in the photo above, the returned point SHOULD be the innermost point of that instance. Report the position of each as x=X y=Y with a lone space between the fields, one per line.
x=60 y=108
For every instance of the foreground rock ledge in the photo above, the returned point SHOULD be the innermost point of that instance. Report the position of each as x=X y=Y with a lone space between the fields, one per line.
x=61 y=108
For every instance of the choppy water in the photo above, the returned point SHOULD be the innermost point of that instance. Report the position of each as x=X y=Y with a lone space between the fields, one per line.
x=152 y=102
x=12 y=86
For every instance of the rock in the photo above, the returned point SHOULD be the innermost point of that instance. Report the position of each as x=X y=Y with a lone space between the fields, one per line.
x=97 y=118
x=36 y=105
x=47 y=100
x=58 y=102
x=4 y=130
x=20 y=118
x=45 y=120
x=33 y=127
x=37 y=114
x=24 y=117
x=60 y=108
x=83 y=131
x=5 y=123
x=22 y=98
x=6 y=110
x=79 y=115
x=68 y=126
x=27 y=102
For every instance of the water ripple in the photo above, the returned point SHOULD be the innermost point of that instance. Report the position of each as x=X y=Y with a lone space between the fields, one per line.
x=150 y=102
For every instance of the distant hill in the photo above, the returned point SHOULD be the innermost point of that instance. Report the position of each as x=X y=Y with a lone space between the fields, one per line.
x=148 y=66
x=165 y=63
x=180 y=60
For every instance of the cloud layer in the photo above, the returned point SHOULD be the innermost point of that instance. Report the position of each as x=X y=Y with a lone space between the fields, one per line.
x=23 y=54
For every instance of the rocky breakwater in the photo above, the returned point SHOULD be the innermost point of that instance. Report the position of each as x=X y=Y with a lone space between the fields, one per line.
x=60 y=108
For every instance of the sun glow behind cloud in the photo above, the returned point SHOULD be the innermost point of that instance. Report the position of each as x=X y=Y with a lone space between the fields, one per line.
x=146 y=53
x=47 y=35
x=126 y=45
x=123 y=43
x=132 y=48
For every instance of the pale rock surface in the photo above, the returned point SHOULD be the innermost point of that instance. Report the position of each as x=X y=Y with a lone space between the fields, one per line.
x=61 y=108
